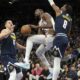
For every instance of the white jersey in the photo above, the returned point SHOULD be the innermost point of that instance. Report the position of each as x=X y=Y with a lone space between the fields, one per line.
x=43 y=22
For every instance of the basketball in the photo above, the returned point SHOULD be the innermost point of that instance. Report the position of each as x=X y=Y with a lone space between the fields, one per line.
x=25 y=29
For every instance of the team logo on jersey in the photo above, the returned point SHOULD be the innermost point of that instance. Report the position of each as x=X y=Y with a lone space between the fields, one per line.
x=66 y=17
x=13 y=36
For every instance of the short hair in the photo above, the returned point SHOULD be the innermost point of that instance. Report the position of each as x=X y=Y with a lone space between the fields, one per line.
x=68 y=8
x=41 y=10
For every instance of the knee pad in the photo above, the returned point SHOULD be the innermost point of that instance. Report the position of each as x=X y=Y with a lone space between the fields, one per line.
x=10 y=68
x=55 y=52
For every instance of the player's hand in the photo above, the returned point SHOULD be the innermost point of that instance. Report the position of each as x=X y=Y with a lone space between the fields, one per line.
x=33 y=26
x=5 y=33
x=8 y=30
x=51 y=2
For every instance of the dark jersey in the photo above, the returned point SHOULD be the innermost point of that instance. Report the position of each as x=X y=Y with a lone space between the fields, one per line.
x=8 y=45
x=63 y=23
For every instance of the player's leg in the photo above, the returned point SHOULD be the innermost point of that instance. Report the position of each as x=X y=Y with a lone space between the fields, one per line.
x=56 y=68
x=19 y=74
x=56 y=63
x=12 y=75
x=5 y=59
x=36 y=39
x=8 y=63
x=59 y=46
x=49 y=45
x=40 y=52
x=14 y=72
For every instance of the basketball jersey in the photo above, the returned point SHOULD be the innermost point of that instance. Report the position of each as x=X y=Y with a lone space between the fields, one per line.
x=8 y=45
x=63 y=23
x=43 y=22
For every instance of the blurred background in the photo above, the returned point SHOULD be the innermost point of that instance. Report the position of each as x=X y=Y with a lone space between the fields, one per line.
x=22 y=11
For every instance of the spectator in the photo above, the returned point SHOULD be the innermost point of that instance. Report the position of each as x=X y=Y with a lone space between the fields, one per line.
x=35 y=72
x=78 y=72
x=44 y=74
x=73 y=73
x=64 y=73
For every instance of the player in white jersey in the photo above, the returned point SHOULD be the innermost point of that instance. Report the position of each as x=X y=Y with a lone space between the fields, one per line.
x=45 y=40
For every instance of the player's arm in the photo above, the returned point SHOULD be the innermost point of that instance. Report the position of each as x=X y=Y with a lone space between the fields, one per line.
x=4 y=33
x=20 y=46
x=55 y=7
x=33 y=26
x=37 y=27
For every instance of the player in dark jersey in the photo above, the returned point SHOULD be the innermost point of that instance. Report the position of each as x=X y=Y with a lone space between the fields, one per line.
x=8 y=50
x=62 y=27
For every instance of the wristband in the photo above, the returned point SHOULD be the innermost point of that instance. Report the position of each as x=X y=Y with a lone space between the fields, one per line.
x=51 y=2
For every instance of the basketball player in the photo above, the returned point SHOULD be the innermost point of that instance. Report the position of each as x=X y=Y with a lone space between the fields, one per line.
x=62 y=27
x=8 y=50
x=45 y=40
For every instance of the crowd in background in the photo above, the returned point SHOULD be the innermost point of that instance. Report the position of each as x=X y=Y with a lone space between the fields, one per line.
x=70 y=68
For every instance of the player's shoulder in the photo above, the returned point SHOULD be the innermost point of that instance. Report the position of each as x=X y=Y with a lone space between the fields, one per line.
x=67 y=17
x=46 y=15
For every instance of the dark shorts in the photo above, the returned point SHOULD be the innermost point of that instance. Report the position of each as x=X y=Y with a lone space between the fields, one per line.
x=5 y=59
x=61 y=43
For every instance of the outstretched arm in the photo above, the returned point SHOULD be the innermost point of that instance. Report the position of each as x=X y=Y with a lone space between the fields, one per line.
x=55 y=7
x=40 y=27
